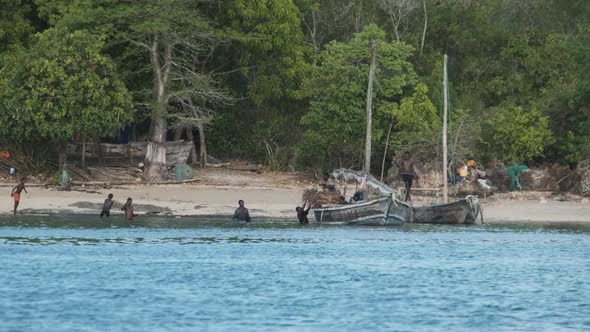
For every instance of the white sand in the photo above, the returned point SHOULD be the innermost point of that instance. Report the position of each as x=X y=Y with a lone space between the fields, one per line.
x=266 y=195
x=180 y=199
x=536 y=211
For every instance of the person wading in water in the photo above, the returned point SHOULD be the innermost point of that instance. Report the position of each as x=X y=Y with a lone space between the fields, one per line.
x=106 y=207
x=302 y=213
x=127 y=208
x=241 y=213
x=408 y=173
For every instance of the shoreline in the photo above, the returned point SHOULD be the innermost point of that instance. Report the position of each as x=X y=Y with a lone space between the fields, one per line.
x=267 y=196
x=219 y=202
x=258 y=219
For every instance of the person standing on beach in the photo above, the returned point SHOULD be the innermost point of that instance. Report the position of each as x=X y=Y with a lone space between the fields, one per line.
x=106 y=207
x=302 y=213
x=128 y=209
x=15 y=194
x=241 y=213
x=408 y=173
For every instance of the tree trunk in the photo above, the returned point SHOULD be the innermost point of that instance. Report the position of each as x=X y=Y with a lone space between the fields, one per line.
x=191 y=137
x=155 y=158
x=369 y=135
x=98 y=149
x=445 y=114
x=84 y=153
x=178 y=133
x=425 y=27
x=61 y=150
x=202 y=146
x=396 y=32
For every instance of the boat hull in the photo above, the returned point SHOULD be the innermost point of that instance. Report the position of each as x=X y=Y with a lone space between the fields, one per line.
x=382 y=211
x=459 y=212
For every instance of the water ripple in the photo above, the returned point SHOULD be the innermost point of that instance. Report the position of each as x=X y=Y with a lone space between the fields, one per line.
x=216 y=275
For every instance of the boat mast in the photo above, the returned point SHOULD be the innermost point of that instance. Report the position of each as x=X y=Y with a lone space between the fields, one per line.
x=445 y=115
x=369 y=135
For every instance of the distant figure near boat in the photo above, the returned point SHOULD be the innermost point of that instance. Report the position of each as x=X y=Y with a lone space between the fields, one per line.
x=106 y=207
x=328 y=183
x=408 y=173
x=15 y=194
x=302 y=213
x=241 y=213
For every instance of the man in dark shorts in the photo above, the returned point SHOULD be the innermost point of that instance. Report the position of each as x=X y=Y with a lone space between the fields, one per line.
x=106 y=207
x=15 y=194
x=408 y=173
x=241 y=213
x=302 y=213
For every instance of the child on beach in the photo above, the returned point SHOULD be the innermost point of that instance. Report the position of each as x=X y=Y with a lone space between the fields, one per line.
x=106 y=207
x=15 y=194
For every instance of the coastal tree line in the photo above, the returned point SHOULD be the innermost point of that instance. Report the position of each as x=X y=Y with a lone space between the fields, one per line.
x=284 y=82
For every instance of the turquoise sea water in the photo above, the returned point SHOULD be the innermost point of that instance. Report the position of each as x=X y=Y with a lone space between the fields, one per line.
x=83 y=274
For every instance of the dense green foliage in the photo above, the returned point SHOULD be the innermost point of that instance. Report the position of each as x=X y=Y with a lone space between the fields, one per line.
x=61 y=86
x=337 y=91
x=284 y=81
x=518 y=134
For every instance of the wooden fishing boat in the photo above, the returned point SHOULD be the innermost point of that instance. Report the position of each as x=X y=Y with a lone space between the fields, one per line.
x=464 y=211
x=384 y=210
x=388 y=210
x=381 y=211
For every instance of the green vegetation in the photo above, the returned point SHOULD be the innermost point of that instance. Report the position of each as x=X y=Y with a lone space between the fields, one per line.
x=283 y=82
x=337 y=92
x=59 y=87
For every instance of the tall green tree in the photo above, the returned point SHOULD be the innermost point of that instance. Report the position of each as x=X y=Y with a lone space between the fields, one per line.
x=337 y=92
x=59 y=87
x=15 y=25
x=171 y=37
x=269 y=43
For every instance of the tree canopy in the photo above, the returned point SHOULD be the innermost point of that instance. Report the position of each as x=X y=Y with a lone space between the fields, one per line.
x=292 y=75
x=61 y=86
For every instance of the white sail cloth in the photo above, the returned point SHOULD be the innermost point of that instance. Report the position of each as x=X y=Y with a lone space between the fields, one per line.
x=374 y=185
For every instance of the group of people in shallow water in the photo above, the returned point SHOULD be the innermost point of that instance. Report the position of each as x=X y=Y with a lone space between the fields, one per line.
x=240 y=214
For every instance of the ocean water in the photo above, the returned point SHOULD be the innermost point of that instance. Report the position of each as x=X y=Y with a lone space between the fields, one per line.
x=84 y=274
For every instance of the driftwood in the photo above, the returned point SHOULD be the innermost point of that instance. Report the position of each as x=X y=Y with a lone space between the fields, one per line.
x=131 y=153
x=213 y=160
x=246 y=168
x=319 y=198
x=218 y=165
x=27 y=185
x=75 y=171
x=121 y=183
x=105 y=173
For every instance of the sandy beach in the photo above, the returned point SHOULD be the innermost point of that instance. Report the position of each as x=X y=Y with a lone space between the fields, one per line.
x=266 y=195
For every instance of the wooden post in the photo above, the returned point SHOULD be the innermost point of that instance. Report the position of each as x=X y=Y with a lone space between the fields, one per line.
x=84 y=152
x=62 y=156
x=369 y=136
x=386 y=145
x=445 y=115
x=202 y=145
